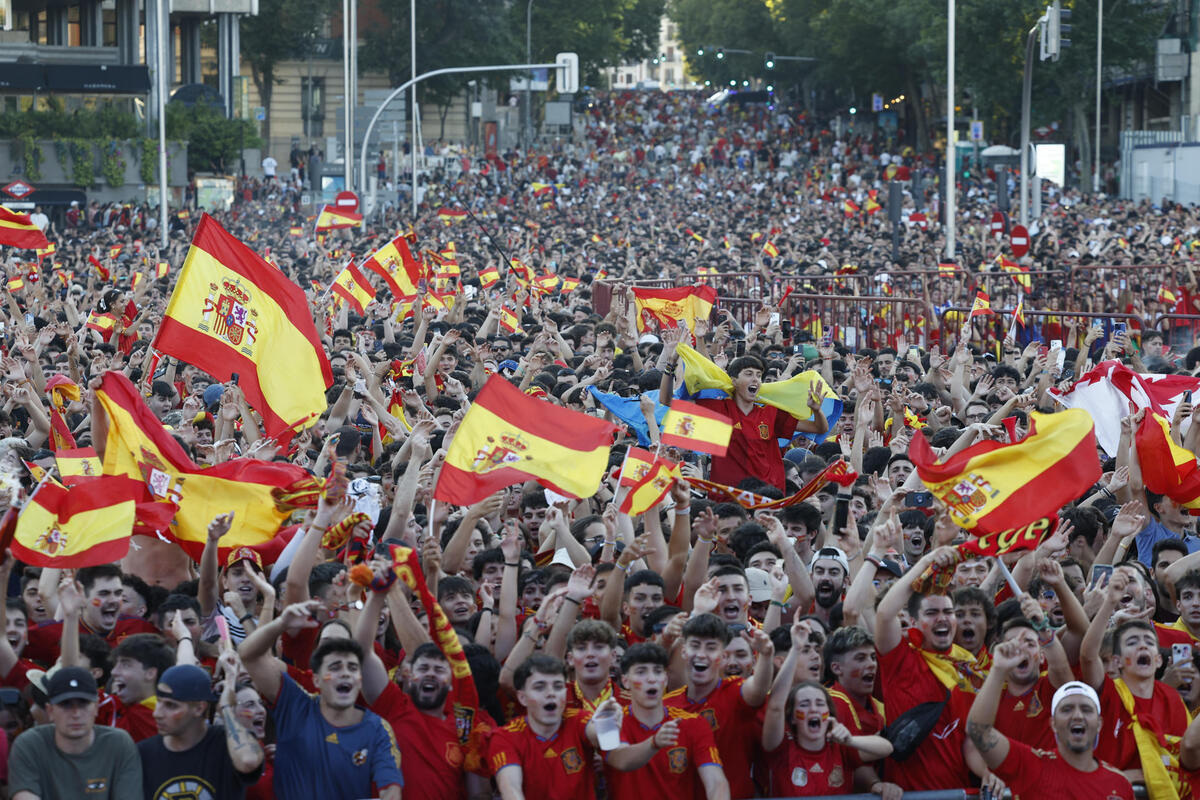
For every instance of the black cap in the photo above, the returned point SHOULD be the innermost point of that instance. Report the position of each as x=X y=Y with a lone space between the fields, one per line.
x=71 y=683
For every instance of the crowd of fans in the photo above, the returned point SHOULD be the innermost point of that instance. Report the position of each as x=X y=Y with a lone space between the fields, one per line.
x=699 y=649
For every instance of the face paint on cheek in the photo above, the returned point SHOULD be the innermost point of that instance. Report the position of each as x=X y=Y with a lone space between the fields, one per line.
x=96 y=602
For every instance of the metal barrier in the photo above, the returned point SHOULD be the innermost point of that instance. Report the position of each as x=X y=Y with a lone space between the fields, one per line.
x=1042 y=325
x=602 y=292
x=1183 y=336
x=1139 y=793
x=856 y=321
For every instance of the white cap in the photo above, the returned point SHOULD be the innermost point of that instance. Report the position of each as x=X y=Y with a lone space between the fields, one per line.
x=760 y=584
x=833 y=554
x=1071 y=688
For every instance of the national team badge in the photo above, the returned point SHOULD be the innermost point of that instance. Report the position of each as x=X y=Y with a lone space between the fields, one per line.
x=571 y=760
x=360 y=757
x=497 y=454
x=227 y=314
x=677 y=760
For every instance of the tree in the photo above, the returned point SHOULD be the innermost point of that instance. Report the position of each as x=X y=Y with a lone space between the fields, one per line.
x=214 y=142
x=604 y=33
x=282 y=31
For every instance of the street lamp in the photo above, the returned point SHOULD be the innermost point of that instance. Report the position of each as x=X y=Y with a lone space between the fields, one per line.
x=1099 y=53
x=529 y=77
x=951 y=149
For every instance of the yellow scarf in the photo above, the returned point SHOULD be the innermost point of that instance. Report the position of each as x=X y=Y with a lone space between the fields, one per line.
x=588 y=705
x=876 y=706
x=954 y=668
x=1160 y=759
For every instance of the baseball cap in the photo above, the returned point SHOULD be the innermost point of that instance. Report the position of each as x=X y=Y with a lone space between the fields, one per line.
x=1071 y=688
x=186 y=683
x=760 y=584
x=834 y=553
x=71 y=683
x=244 y=554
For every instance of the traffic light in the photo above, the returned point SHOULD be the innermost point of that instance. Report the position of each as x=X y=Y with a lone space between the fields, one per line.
x=720 y=54
x=770 y=61
x=700 y=51
x=1056 y=31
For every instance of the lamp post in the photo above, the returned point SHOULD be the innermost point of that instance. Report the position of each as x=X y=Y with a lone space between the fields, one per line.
x=529 y=77
x=1099 y=53
x=951 y=150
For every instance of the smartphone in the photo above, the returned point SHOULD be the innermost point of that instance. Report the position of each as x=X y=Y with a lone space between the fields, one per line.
x=739 y=349
x=918 y=499
x=1043 y=350
x=1187 y=396
x=774 y=318
x=797 y=348
x=1100 y=573
x=1181 y=653
x=360 y=387
x=1118 y=328
x=1056 y=344
x=235 y=378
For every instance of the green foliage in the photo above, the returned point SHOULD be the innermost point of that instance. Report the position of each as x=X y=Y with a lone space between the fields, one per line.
x=106 y=122
x=111 y=163
x=603 y=33
x=83 y=165
x=148 y=169
x=214 y=142
x=31 y=155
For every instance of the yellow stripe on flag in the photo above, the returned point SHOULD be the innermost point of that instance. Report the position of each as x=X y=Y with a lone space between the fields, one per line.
x=696 y=428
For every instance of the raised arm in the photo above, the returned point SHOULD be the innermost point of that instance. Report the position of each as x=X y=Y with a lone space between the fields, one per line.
x=244 y=749
x=774 y=724
x=887 y=615
x=255 y=650
x=991 y=744
x=209 y=590
x=1091 y=667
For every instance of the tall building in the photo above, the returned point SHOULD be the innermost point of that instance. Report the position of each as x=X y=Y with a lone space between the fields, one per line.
x=664 y=69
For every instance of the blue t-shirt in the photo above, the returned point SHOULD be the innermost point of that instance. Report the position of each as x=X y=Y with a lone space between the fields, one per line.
x=316 y=759
x=1152 y=534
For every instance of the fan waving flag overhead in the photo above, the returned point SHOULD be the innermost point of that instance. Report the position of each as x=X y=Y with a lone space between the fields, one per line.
x=353 y=287
x=332 y=218
x=80 y=526
x=992 y=486
x=508 y=437
x=233 y=312
x=669 y=308
x=694 y=427
x=18 y=230
x=394 y=262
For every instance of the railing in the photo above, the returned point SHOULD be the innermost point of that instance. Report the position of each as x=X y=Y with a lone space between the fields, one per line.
x=1045 y=326
x=602 y=292
x=856 y=321
x=1139 y=793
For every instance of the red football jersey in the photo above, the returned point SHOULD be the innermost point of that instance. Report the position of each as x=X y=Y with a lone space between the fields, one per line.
x=45 y=640
x=672 y=772
x=754 y=446
x=1164 y=713
x=138 y=719
x=1025 y=718
x=559 y=767
x=796 y=772
x=1038 y=773
x=736 y=730
x=433 y=757
x=861 y=721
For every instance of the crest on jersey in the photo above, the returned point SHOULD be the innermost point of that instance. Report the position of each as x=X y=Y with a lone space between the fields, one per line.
x=677 y=760
x=572 y=761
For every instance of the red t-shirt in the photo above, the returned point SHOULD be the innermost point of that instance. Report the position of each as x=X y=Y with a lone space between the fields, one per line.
x=1041 y=773
x=735 y=727
x=45 y=641
x=861 y=721
x=138 y=719
x=938 y=762
x=433 y=757
x=754 y=446
x=1164 y=713
x=16 y=676
x=1025 y=718
x=559 y=767
x=796 y=772
x=672 y=772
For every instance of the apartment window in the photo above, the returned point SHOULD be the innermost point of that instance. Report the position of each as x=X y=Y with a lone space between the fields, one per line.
x=670 y=52
x=670 y=75
x=312 y=106
x=628 y=77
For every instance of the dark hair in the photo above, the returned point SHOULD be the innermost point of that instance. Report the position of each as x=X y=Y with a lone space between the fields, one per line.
x=454 y=584
x=591 y=630
x=974 y=596
x=322 y=576
x=1171 y=543
x=88 y=576
x=804 y=513
x=707 y=626
x=1015 y=622
x=1190 y=580
x=643 y=577
x=141 y=587
x=148 y=649
x=645 y=653
x=427 y=650
x=845 y=639
x=333 y=645
x=745 y=362
x=176 y=602
x=541 y=664
x=1132 y=624
x=97 y=651
x=493 y=555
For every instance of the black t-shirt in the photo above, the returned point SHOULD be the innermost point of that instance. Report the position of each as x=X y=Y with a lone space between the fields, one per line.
x=205 y=772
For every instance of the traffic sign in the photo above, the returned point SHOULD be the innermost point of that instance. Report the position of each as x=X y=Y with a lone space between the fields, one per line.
x=346 y=201
x=18 y=189
x=997 y=224
x=1019 y=239
x=877 y=102
x=976 y=130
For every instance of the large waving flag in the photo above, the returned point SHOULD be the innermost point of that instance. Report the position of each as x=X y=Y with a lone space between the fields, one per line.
x=332 y=218
x=1167 y=468
x=394 y=262
x=670 y=308
x=18 y=230
x=133 y=443
x=694 y=427
x=992 y=486
x=508 y=437
x=231 y=312
x=629 y=411
x=1107 y=390
x=701 y=375
x=80 y=526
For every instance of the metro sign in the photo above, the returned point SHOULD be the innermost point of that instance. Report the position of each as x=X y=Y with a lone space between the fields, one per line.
x=18 y=189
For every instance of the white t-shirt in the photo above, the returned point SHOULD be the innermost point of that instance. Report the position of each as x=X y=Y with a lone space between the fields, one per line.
x=269 y=164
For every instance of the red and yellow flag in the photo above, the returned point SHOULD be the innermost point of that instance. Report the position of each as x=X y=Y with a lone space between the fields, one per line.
x=694 y=427
x=568 y=284
x=488 y=276
x=1165 y=295
x=450 y=216
x=18 y=230
x=981 y=307
x=651 y=489
x=81 y=462
x=694 y=235
x=947 y=268
x=332 y=218
x=1167 y=468
x=635 y=467
x=771 y=250
x=992 y=486
x=101 y=270
x=15 y=283
x=872 y=204
x=509 y=321
x=161 y=270
x=261 y=494
x=1019 y=312
x=231 y=312
x=394 y=262
x=296 y=232
x=508 y=437
x=353 y=287
x=80 y=526
x=101 y=323
x=849 y=207
x=669 y=308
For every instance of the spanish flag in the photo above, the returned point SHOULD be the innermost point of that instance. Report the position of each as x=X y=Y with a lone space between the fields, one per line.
x=15 y=284
x=332 y=218
x=694 y=235
x=101 y=323
x=872 y=204
x=450 y=216
x=354 y=288
x=669 y=308
x=132 y=442
x=49 y=249
x=161 y=270
x=981 y=307
x=1019 y=312
x=1165 y=295
x=1018 y=273
x=771 y=250
x=509 y=322
x=849 y=207
x=1167 y=468
x=546 y=283
x=80 y=526
x=296 y=232
x=488 y=276
x=81 y=462
x=394 y=262
x=18 y=230
x=636 y=466
x=101 y=270
x=947 y=268
x=568 y=284
x=651 y=489
x=233 y=312
x=114 y=251
x=521 y=270
x=991 y=486
x=694 y=427
x=61 y=391
x=508 y=438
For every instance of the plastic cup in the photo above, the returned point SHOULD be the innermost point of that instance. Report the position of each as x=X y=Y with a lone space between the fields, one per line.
x=608 y=731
